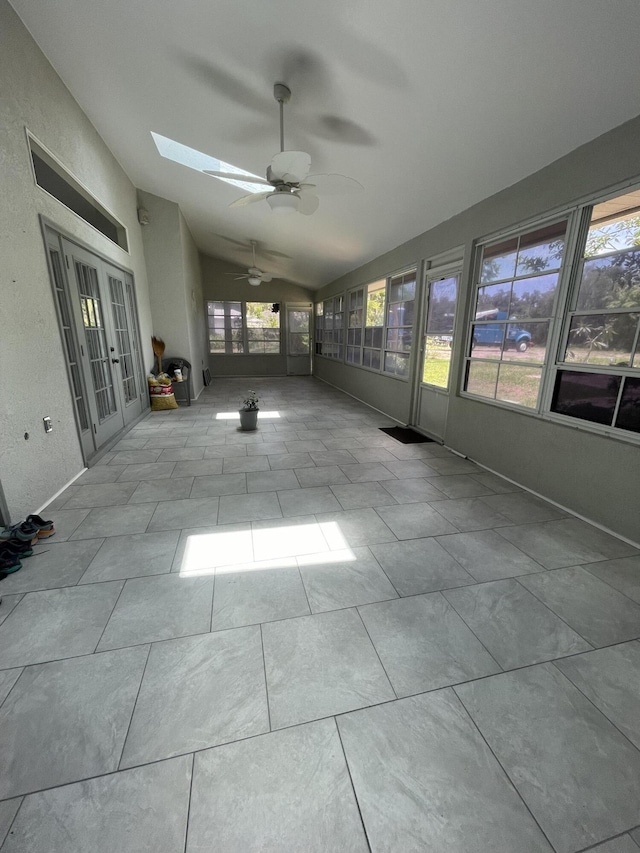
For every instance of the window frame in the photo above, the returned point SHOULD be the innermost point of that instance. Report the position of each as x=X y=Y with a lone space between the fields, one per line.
x=565 y=273
x=322 y=339
x=578 y=216
x=435 y=275
x=244 y=328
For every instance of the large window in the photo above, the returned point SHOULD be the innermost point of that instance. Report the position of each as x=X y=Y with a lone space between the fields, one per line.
x=528 y=294
x=514 y=304
x=237 y=328
x=601 y=344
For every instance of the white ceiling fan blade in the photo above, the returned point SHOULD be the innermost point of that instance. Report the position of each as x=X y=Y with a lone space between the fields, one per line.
x=328 y=185
x=266 y=276
x=290 y=166
x=232 y=176
x=308 y=202
x=249 y=199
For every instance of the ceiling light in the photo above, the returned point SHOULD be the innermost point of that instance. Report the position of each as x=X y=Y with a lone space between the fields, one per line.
x=283 y=202
x=254 y=280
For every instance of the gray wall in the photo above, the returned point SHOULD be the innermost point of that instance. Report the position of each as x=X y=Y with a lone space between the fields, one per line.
x=31 y=353
x=175 y=283
x=593 y=475
x=218 y=286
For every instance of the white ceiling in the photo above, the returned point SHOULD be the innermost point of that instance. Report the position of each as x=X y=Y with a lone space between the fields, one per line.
x=443 y=103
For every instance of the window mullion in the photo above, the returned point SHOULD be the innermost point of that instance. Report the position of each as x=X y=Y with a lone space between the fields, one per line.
x=577 y=228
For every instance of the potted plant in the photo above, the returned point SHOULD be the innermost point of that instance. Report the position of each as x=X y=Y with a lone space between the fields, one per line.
x=249 y=412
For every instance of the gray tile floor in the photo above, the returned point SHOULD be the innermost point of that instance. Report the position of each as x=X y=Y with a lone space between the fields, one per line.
x=313 y=637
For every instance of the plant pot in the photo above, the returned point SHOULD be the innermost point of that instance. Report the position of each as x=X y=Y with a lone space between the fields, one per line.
x=249 y=419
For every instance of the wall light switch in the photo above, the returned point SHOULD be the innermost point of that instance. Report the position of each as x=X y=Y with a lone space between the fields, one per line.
x=48 y=426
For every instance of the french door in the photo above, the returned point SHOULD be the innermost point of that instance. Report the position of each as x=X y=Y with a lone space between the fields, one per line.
x=98 y=320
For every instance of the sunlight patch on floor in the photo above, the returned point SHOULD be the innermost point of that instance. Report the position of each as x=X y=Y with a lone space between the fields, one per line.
x=277 y=547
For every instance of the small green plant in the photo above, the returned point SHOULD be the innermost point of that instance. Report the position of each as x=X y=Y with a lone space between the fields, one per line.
x=251 y=401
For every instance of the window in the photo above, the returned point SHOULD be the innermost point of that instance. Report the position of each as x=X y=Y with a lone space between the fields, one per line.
x=319 y=331
x=52 y=177
x=514 y=306
x=237 y=328
x=374 y=324
x=402 y=293
x=355 y=305
x=263 y=329
x=441 y=311
x=379 y=319
x=602 y=336
x=332 y=337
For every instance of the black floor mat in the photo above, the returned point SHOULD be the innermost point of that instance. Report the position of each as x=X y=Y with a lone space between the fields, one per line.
x=405 y=435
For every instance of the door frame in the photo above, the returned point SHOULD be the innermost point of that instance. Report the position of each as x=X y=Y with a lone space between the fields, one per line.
x=60 y=233
x=437 y=272
x=308 y=308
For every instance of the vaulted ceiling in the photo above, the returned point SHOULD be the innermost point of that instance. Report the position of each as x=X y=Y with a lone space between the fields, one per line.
x=432 y=105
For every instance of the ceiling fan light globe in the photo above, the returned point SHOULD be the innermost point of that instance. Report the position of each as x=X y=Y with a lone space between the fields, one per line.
x=282 y=203
x=254 y=280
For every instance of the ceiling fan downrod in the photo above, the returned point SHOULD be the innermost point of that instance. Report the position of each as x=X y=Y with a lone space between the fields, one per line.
x=282 y=94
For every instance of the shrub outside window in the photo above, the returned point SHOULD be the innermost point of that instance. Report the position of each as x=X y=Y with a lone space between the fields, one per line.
x=263 y=328
x=514 y=306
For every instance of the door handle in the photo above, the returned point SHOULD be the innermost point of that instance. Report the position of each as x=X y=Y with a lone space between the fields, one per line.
x=115 y=361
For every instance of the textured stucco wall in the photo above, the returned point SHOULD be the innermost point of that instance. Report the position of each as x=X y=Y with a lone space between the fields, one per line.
x=31 y=354
x=195 y=306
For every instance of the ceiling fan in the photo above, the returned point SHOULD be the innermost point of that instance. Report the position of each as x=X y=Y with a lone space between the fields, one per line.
x=253 y=275
x=291 y=187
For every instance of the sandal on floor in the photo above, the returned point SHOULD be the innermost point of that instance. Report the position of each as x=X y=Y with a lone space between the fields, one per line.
x=43 y=528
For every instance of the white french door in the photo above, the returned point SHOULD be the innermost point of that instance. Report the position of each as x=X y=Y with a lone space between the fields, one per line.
x=97 y=315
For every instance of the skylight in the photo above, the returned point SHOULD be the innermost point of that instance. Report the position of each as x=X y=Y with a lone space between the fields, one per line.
x=194 y=159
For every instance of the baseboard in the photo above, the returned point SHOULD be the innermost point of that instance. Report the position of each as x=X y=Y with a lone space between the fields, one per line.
x=60 y=491
x=553 y=503
x=364 y=402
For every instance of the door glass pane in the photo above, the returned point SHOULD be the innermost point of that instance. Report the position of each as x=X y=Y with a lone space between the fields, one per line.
x=96 y=339
x=441 y=310
x=299 y=321
x=298 y=344
x=124 y=348
x=72 y=359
